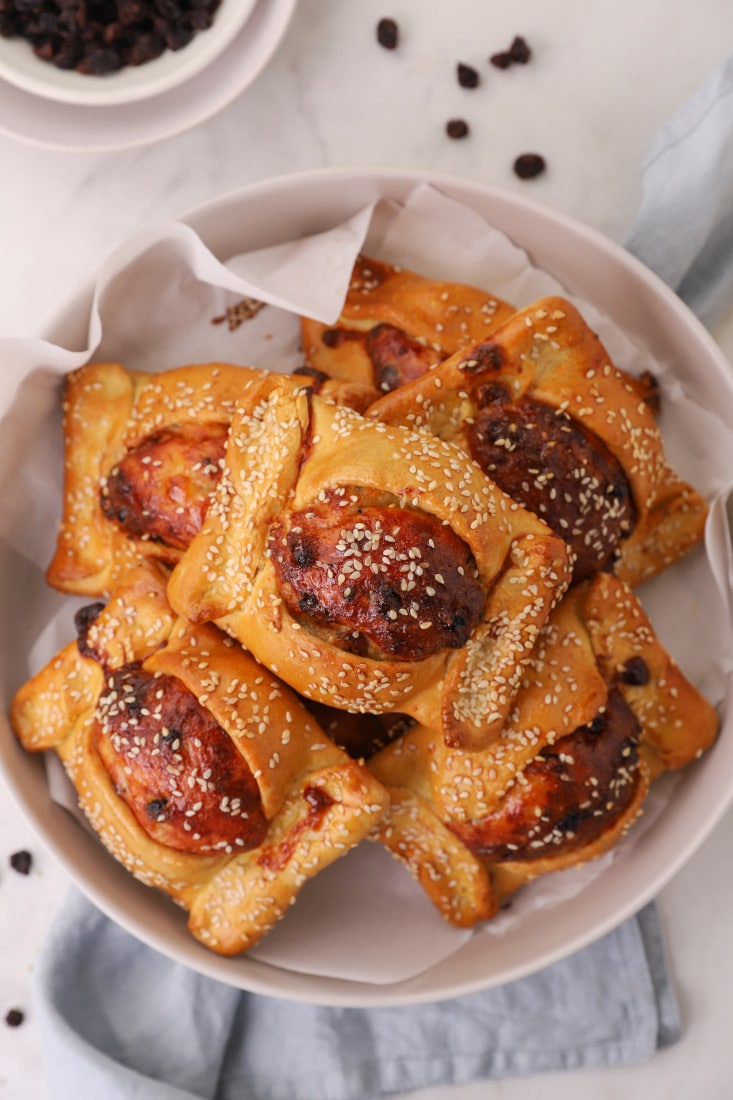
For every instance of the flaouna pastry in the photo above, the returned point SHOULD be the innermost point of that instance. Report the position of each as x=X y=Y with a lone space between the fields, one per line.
x=396 y=324
x=372 y=568
x=602 y=711
x=200 y=771
x=545 y=413
x=142 y=455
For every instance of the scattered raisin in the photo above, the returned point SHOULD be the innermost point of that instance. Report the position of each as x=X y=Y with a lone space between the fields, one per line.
x=518 y=53
x=456 y=128
x=467 y=76
x=21 y=862
x=14 y=1018
x=387 y=34
x=529 y=165
x=501 y=60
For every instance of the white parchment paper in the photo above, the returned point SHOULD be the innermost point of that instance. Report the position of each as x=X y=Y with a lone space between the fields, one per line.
x=154 y=306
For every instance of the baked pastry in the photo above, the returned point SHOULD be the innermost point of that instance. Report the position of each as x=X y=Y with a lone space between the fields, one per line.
x=373 y=569
x=200 y=771
x=142 y=454
x=602 y=711
x=541 y=408
x=396 y=324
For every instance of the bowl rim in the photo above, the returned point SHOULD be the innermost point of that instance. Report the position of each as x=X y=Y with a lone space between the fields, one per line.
x=661 y=854
x=20 y=66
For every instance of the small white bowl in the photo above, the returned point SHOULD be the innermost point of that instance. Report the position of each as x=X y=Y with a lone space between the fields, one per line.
x=20 y=66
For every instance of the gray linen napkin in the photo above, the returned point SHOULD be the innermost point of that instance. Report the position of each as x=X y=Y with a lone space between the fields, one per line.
x=120 y=1021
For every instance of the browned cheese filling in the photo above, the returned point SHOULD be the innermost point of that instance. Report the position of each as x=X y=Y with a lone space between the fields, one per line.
x=379 y=581
x=558 y=470
x=568 y=796
x=160 y=489
x=170 y=761
x=175 y=767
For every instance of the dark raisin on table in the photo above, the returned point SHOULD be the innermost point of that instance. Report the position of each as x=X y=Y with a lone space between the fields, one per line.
x=529 y=165
x=14 y=1018
x=21 y=862
x=456 y=128
x=468 y=77
x=388 y=34
x=501 y=60
x=518 y=53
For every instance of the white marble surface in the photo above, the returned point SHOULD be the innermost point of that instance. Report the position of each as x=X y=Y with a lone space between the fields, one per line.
x=602 y=79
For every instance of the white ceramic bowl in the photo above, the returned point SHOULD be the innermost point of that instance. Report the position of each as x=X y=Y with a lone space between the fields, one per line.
x=20 y=66
x=601 y=272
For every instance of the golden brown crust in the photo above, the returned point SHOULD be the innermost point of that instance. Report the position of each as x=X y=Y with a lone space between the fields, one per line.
x=170 y=812
x=628 y=510
x=602 y=710
x=395 y=324
x=289 y=453
x=142 y=454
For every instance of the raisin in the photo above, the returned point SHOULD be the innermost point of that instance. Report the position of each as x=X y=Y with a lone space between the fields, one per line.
x=21 y=862
x=99 y=61
x=456 y=128
x=529 y=165
x=14 y=1018
x=467 y=76
x=501 y=60
x=519 y=51
x=388 y=34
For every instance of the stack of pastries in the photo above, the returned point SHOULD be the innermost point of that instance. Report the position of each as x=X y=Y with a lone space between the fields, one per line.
x=388 y=597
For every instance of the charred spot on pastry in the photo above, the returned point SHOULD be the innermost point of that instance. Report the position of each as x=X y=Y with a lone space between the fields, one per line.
x=595 y=727
x=155 y=809
x=483 y=358
x=634 y=672
x=84 y=619
x=555 y=467
x=378 y=580
x=160 y=489
x=318 y=376
x=568 y=796
x=492 y=393
x=387 y=599
x=302 y=552
x=337 y=337
x=174 y=766
x=396 y=357
x=388 y=378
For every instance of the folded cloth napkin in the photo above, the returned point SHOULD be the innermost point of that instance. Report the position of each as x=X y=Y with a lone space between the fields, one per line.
x=120 y=1021
x=684 y=228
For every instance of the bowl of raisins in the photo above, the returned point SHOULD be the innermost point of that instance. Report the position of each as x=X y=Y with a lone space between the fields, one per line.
x=109 y=52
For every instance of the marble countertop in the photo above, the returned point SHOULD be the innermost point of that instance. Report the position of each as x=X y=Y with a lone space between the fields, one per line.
x=601 y=80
